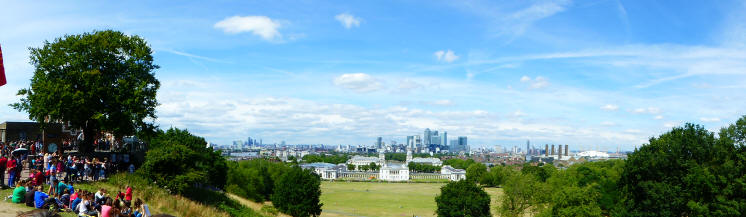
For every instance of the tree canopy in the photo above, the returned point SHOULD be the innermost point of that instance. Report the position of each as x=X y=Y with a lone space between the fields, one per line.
x=98 y=81
x=687 y=172
x=462 y=198
x=179 y=161
x=297 y=193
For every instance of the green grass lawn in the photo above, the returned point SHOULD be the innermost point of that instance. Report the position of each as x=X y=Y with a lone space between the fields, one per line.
x=383 y=199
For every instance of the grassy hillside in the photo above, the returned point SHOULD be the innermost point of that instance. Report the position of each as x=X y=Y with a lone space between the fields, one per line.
x=197 y=203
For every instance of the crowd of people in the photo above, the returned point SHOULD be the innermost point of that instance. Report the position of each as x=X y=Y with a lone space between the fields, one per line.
x=60 y=171
x=63 y=196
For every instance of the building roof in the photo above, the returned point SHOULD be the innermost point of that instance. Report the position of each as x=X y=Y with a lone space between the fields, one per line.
x=593 y=154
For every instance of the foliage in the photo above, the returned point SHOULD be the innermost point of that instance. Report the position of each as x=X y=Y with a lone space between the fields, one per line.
x=98 y=81
x=180 y=161
x=422 y=168
x=254 y=179
x=686 y=172
x=541 y=172
x=200 y=202
x=576 y=201
x=462 y=198
x=523 y=191
x=350 y=167
x=475 y=172
x=297 y=193
x=459 y=163
x=496 y=176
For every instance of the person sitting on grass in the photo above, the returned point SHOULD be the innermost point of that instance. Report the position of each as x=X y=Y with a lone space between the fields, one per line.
x=141 y=209
x=39 y=197
x=65 y=198
x=19 y=192
x=61 y=187
x=106 y=209
x=78 y=198
x=29 y=197
x=126 y=210
x=85 y=207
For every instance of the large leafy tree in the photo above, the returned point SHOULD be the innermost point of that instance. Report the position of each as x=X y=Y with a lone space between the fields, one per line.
x=98 y=81
x=297 y=193
x=475 y=172
x=685 y=172
x=462 y=198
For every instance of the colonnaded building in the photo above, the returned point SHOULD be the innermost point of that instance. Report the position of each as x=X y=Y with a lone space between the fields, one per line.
x=389 y=171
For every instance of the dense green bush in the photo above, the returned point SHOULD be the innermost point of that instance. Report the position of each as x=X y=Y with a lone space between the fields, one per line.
x=297 y=193
x=687 y=172
x=254 y=179
x=462 y=198
x=179 y=161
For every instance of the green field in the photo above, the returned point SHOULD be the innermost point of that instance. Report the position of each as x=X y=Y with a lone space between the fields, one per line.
x=383 y=199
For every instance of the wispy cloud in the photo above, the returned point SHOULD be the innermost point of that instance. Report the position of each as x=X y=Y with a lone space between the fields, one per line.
x=348 y=20
x=535 y=83
x=709 y=119
x=261 y=26
x=445 y=56
x=358 y=82
x=610 y=107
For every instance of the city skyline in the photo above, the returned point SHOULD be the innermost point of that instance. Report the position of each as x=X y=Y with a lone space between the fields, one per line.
x=590 y=74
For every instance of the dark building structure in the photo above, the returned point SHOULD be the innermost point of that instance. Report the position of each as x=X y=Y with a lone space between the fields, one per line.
x=15 y=131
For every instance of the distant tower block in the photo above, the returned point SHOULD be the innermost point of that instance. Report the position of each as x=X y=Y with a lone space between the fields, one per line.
x=546 y=150
x=566 y=152
x=553 y=152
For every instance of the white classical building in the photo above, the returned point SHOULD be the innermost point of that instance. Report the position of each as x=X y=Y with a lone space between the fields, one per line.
x=453 y=173
x=326 y=171
x=392 y=172
x=361 y=160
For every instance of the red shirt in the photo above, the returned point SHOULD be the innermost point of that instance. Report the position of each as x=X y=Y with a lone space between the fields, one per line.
x=128 y=195
x=3 y=162
x=11 y=164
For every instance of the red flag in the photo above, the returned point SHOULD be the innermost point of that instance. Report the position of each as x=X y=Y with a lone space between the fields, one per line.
x=2 y=69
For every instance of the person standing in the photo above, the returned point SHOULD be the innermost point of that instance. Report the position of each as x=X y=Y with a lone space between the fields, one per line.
x=11 y=167
x=3 y=163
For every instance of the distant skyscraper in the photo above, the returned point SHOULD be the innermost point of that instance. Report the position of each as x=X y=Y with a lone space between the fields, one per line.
x=426 y=137
x=379 y=142
x=528 y=148
x=546 y=150
x=444 y=139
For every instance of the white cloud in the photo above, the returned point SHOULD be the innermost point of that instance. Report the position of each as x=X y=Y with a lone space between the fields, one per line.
x=445 y=56
x=649 y=110
x=608 y=123
x=261 y=26
x=348 y=20
x=658 y=117
x=536 y=83
x=610 y=107
x=670 y=124
x=442 y=102
x=358 y=82
x=407 y=85
x=709 y=119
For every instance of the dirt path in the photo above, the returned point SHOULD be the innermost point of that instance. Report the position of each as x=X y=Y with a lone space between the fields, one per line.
x=251 y=204
x=8 y=209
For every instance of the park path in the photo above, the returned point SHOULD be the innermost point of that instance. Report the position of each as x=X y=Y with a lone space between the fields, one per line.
x=251 y=204
x=8 y=209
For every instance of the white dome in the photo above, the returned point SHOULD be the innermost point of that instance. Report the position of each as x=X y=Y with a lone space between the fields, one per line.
x=593 y=154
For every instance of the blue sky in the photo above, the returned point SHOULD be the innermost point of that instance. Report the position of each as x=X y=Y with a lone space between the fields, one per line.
x=591 y=74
